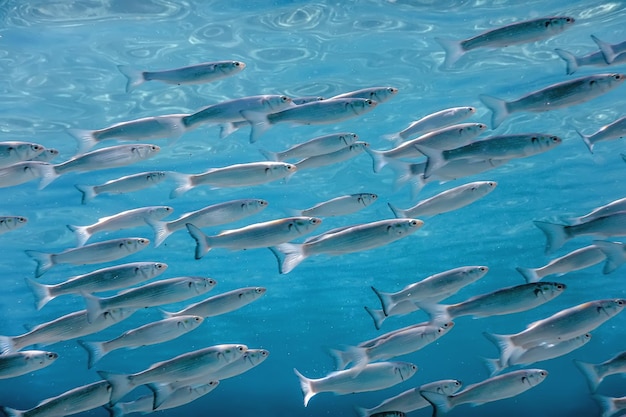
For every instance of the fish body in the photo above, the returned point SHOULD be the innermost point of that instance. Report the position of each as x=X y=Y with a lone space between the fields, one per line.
x=9 y=223
x=432 y=122
x=595 y=373
x=340 y=206
x=573 y=261
x=605 y=210
x=573 y=62
x=126 y=184
x=378 y=94
x=110 y=157
x=317 y=146
x=335 y=157
x=12 y=152
x=611 y=406
x=615 y=130
x=615 y=253
x=26 y=171
x=221 y=303
x=21 y=363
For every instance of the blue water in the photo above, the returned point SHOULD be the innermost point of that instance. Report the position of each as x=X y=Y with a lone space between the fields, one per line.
x=58 y=70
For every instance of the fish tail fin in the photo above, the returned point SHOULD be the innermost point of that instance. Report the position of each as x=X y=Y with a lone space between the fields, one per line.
x=161 y=392
x=615 y=253
x=116 y=410
x=270 y=156
x=11 y=412
x=454 y=51
x=571 y=65
x=306 y=385
x=493 y=365
x=529 y=274
x=399 y=213
x=591 y=374
x=121 y=384
x=504 y=344
x=379 y=159
x=586 y=139
x=607 y=49
x=556 y=235
x=134 y=77
x=435 y=159
x=259 y=123
x=440 y=402
x=340 y=357
x=499 y=108
x=7 y=345
x=41 y=292
x=88 y=192
x=82 y=233
x=93 y=305
x=86 y=139
x=227 y=129
x=377 y=315
x=48 y=174
x=161 y=231
x=166 y=314
x=346 y=355
x=202 y=240
x=386 y=300
x=184 y=183
x=95 y=350
x=289 y=255
x=45 y=261
x=174 y=124
x=437 y=313
x=607 y=404
x=362 y=411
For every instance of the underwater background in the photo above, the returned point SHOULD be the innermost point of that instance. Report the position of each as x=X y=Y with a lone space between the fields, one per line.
x=58 y=71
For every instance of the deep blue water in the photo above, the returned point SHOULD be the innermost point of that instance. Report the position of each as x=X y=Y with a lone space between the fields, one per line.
x=58 y=71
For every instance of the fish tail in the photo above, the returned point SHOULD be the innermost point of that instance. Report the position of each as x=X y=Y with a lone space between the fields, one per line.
x=48 y=174
x=45 y=261
x=82 y=233
x=95 y=350
x=615 y=253
x=340 y=357
x=379 y=159
x=116 y=410
x=166 y=314
x=11 y=412
x=386 y=300
x=346 y=355
x=7 y=345
x=362 y=411
x=454 y=51
x=161 y=392
x=270 y=156
x=93 y=305
x=590 y=372
x=306 y=385
x=437 y=313
x=493 y=365
x=88 y=192
x=174 y=124
x=184 y=184
x=607 y=50
x=289 y=255
x=161 y=231
x=440 y=402
x=587 y=140
x=41 y=292
x=556 y=235
x=259 y=123
x=504 y=344
x=377 y=315
x=570 y=61
x=435 y=159
x=499 y=108
x=227 y=129
x=202 y=240
x=529 y=274
x=399 y=213
x=607 y=404
x=121 y=385
x=134 y=77
x=86 y=139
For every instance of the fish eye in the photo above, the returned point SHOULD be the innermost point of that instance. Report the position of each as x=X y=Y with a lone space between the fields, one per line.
x=154 y=147
x=543 y=373
x=617 y=76
x=370 y=102
x=258 y=290
x=291 y=167
x=36 y=147
x=620 y=302
x=196 y=318
x=285 y=99
x=236 y=63
x=212 y=281
x=159 y=266
x=263 y=203
x=560 y=286
x=569 y=20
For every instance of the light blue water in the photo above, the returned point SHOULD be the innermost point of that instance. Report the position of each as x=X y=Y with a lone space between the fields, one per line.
x=58 y=70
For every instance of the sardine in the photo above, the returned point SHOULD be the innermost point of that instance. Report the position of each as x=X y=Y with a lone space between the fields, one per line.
x=105 y=158
x=431 y=122
x=221 y=303
x=573 y=261
x=12 y=152
x=316 y=146
x=25 y=362
x=22 y=172
x=340 y=206
x=595 y=373
x=9 y=223
x=126 y=184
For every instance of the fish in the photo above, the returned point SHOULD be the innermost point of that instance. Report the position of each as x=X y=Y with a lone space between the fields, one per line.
x=400 y=309
x=596 y=58
x=317 y=146
x=22 y=172
x=74 y=401
x=449 y=200
x=193 y=74
x=184 y=366
x=505 y=147
x=313 y=113
x=350 y=239
x=434 y=121
x=105 y=158
x=47 y=155
x=123 y=220
x=213 y=215
x=432 y=288
x=492 y=389
x=237 y=175
x=615 y=130
x=12 y=152
x=94 y=253
x=256 y=235
x=340 y=206
x=503 y=301
x=125 y=184
x=341 y=155
x=610 y=52
x=611 y=406
x=538 y=354
x=9 y=223
x=606 y=226
x=566 y=324
x=378 y=94
x=221 y=303
x=573 y=261
x=148 y=334
x=147 y=128
x=411 y=400
x=375 y=376
x=615 y=253
x=25 y=362
x=610 y=208
x=390 y=414
x=105 y=279
x=555 y=96
x=156 y=293
x=596 y=372
x=516 y=33
x=67 y=327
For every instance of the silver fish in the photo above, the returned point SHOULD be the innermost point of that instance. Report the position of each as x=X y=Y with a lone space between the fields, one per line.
x=9 y=223
x=573 y=62
x=109 y=250
x=373 y=377
x=517 y=33
x=605 y=210
x=126 y=184
x=610 y=52
x=21 y=363
x=47 y=155
x=105 y=279
x=193 y=74
x=564 y=94
x=221 y=303
x=340 y=206
x=573 y=261
x=22 y=172
x=257 y=235
x=615 y=130
x=346 y=240
x=400 y=309
x=610 y=406
x=12 y=152
x=615 y=253
x=595 y=373
x=105 y=158
x=316 y=146
x=431 y=122
x=378 y=94
x=212 y=215
x=341 y=155
x=148 y=334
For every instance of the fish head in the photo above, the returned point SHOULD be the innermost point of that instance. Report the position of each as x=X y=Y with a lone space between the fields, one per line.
x=303 y=225
x=117 y=314
x=383 y=93
x=282 y=169
x=134 y=244
x=152 y=270
x=160 y=212
x=230 y=66
x=448 y=387
x=201 y=285
x=230 y=352
x=256 y=356
x=190 y=322
x=605 y=82
x=348 y=138
x=254 y=205
x=404 y=226
x=155 y=176
x=203 y=389
x=549 y=290
x=360 y=105
x=365 y=199
x=252 y=293
x=532 y=377
x=405 y=370
x=472 y=129
x=144 y=151
x=610 y=307
x=558 y=24
x=274 y=104
x=584 y=339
